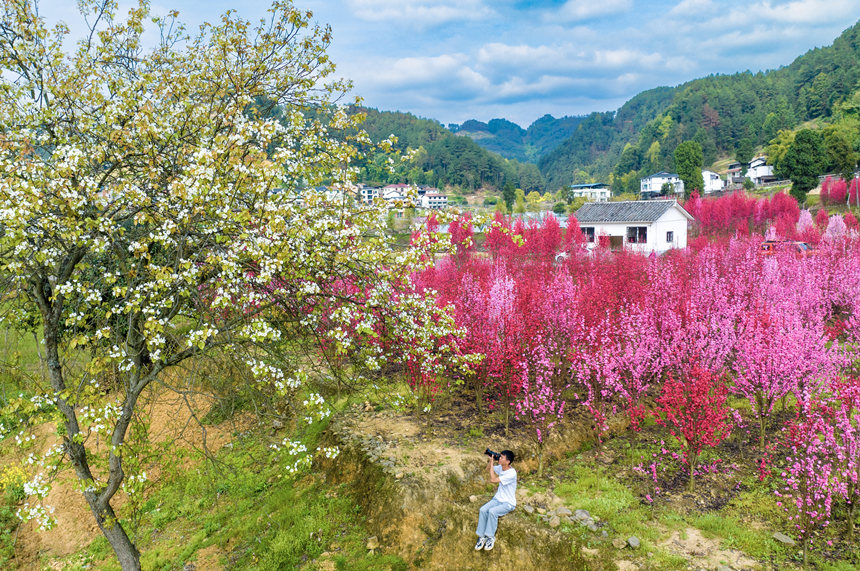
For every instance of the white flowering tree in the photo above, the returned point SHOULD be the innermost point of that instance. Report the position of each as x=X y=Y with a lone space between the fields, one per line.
x=151 y=211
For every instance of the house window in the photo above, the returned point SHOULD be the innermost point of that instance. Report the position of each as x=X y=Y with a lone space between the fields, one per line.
x=670 y=236
x=637 y=234
x=588 y=231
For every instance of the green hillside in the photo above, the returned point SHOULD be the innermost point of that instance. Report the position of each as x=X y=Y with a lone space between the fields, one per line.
x=512 y=141
x=441 y=158
x=719 y=111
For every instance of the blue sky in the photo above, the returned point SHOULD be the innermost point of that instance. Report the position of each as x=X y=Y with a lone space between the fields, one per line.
x=453 y=60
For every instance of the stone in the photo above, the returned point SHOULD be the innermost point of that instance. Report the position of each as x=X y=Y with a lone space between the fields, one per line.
x=473 y=499
x=723 y=568
x=782 y=538
x=528 y=509
x=562 y=511
x=604 y=533
x=541 y=511
x=590 y=552
x=619 y=543
x=633 y=542
x=373 y=543
x=581 y=515
x=399 y=475
x=277 y=424
x=555 y=521
x=592 y=526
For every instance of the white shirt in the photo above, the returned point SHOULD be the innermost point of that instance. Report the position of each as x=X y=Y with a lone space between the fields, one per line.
x=507 y=491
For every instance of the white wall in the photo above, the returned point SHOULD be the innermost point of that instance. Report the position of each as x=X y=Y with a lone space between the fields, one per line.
x=671 y=221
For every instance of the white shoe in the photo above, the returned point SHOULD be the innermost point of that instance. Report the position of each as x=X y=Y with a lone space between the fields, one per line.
x=488 y=544
x=480 y=544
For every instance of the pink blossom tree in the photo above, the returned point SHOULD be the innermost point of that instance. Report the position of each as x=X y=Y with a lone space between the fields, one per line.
x=693 y=406
x=540 y=404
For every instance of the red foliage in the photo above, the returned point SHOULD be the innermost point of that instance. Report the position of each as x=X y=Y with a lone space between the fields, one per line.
x=821 y=219
x=694 y=408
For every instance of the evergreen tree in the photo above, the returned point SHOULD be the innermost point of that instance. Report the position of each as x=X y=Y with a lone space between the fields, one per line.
x=688 y=162
x=803 y=163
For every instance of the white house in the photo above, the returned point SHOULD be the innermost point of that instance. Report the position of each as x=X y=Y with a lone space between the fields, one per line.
x=434 y=201
x=713 y=182
x=595 y=192
x=643 y=226
x=759 y=171
x=651 y=186
x=368 y=193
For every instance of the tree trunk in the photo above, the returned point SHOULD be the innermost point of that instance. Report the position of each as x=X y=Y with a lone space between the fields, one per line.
x=693 y=459
x=126 y=553
x=540 y=460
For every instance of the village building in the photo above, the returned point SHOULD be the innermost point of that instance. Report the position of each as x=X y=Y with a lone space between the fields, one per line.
x=712 y=182
x=652 y=186
x=640 y=226
x=434 y=201
x=760 y=172
x=368 y=193
x=593 y=192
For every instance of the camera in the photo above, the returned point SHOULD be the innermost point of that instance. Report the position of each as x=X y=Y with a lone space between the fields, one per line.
x=495 y=455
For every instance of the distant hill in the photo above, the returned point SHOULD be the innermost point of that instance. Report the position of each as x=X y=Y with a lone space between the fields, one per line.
x=442 y=158
x=512 y=141
x=718 y=111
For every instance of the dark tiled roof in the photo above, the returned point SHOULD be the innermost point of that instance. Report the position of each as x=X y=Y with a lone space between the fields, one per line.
x=632 y=211
x=591 y=185
x=663 y=174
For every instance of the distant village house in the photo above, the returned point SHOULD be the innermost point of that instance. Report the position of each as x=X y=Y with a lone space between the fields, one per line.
x=760 y=172
x=713 y=182
x=652 y=186
x=594 y=192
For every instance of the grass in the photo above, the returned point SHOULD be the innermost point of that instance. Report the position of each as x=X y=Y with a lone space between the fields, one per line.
x=253 y=513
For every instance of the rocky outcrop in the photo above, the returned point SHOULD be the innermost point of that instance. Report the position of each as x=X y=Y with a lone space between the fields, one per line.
x=415 y=493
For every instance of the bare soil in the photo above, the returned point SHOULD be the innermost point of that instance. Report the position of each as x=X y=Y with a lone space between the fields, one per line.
x=173 y=419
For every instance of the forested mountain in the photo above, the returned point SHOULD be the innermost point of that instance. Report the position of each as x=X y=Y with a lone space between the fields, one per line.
x=720 y=112
x=441 y=158
x=512 y=141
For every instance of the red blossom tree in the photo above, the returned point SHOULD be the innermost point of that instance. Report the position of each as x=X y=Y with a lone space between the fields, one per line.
x=693 y=406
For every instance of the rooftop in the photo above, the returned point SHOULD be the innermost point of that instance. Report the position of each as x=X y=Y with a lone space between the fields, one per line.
x=630 y=211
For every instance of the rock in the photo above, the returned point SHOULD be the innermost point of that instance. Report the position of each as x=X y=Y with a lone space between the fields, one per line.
x=633 y=542
x=591 y=526
x=277 y=424
x=541 y=511
x=604 y=533
x=399 y=475
x=373 y=543
x=782 y=538
x=590 y=552
x=619 y=543
x=563 y=511
x=555 y=521
x=581 y=515
x=473 y=499
x=528 y=509
x=723 y=568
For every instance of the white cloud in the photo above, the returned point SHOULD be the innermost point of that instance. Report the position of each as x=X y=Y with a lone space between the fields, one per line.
x=419 y=12
x=692 y=8
x=807 y=11
x=575 y=10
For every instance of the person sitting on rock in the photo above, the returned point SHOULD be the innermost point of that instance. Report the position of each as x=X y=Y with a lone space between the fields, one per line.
x=502 y=503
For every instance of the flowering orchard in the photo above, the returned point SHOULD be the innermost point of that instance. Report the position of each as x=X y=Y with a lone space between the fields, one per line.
x=563 y=328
